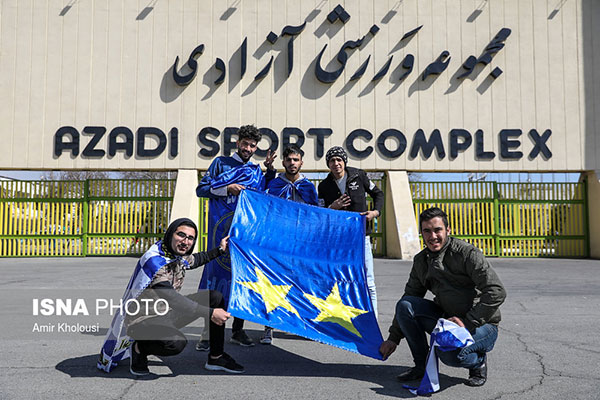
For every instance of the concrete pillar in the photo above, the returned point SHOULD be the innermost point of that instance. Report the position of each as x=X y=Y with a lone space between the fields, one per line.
x=402 y=234
x=185 y=202
x=593 y=194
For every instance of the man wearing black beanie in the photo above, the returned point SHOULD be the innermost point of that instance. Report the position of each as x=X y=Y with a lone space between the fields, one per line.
x=345 y=188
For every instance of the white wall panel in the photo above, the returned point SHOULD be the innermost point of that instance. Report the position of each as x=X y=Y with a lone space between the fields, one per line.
x=108 y=63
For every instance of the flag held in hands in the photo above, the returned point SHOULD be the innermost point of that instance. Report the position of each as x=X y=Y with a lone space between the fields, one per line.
x=301 y=269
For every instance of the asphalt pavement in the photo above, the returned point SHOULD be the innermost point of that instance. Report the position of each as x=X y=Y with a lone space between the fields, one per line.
x=546 y=347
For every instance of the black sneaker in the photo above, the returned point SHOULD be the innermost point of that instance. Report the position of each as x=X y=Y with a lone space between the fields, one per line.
x=478 y=376
x=413 y=374
x=241 y=338
x=203 y=345
x=138 y=364
x=223 y=363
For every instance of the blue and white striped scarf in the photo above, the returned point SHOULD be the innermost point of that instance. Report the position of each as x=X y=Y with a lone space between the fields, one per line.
x=446 y=336
x=117 y=343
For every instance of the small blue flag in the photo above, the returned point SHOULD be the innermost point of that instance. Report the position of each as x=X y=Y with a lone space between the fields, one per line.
x=301 y=269
x=446 y=336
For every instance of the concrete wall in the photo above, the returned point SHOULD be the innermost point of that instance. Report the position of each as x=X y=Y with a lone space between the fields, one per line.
x=109 y=64
x=402 y=233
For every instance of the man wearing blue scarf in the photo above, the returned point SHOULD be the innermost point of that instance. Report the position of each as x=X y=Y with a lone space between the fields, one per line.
x=291 y=184
x=294 y=186
x=467 y=292
x=224 y=180
x=155 y=328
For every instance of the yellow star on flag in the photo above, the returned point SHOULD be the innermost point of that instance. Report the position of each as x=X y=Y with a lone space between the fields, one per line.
x=333 y=310
x=273 y=295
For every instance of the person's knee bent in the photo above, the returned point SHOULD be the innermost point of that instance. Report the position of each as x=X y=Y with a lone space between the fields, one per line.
x=404 y=308
x=174 y=347
x=458 y=358
x=449 y=358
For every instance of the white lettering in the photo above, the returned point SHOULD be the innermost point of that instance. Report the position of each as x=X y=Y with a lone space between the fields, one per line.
x=127 y=308
x=80 y=308
x=166 y=307
x=47 y=307
x=104 y=306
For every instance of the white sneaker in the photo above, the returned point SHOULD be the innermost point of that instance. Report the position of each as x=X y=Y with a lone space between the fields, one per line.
x=267 y=337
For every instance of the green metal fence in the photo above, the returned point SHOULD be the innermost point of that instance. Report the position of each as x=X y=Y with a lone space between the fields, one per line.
x=512 y=219
x=124 y=217
x=80 y=218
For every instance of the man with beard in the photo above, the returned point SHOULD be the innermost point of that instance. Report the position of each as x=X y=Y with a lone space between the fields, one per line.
x=291 y=184
x=294 y=186
x=217 y=275
x=467 y=292
x=155 y=328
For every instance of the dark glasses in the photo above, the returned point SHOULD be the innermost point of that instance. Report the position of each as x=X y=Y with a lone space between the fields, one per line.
x=184 y=236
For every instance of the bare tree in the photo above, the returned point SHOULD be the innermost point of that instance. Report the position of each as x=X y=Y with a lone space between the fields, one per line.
x=80 y=175
x=148 y=174
x=414 y=177
x=73 y=175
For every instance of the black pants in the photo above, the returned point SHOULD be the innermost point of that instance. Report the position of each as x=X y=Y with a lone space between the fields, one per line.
x=237 y=325
x=161 y=335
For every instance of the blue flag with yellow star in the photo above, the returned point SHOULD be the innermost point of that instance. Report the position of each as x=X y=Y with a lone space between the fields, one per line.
x=301 y=269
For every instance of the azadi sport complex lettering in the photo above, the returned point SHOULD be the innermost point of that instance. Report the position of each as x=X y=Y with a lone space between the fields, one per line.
x=153 y=142
x=212 y=142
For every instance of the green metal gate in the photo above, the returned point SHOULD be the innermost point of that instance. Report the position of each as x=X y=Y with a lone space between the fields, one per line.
x=80 y=218
x=512 y=219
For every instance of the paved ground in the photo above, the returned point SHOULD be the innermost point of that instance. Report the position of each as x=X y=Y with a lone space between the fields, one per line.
x=546 y=349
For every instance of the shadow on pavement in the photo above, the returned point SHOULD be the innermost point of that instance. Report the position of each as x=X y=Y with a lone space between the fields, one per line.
x=258 y=361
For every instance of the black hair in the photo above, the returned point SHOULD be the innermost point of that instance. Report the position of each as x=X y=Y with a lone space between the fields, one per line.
x=431 y=213
x=292 y=149
x=249 y=132
x=171 y=231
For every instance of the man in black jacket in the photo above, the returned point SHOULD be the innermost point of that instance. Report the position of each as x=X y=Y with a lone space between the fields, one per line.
x=156 y=330
x=345 y=188
x=467 y=292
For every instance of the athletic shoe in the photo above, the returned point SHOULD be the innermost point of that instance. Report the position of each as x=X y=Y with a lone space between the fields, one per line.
x=223 y=363
x=478 y=376
x=413 y=374
x=267 y=337
x=203 y=345
x=138 y=363
x=241 y=338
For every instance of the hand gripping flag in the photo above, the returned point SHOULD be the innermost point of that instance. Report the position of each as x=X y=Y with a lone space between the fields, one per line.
x=446 y=336
x=116 y=344
x=217 y=273
x=300 y=269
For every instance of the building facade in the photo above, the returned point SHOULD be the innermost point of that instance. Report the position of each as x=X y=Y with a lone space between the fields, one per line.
x=410 y=85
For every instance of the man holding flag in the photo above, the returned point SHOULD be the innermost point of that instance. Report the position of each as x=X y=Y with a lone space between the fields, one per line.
x=467 y=293
x=294 y=186
x=157 y=280
x=345 y=188
x=222 y=184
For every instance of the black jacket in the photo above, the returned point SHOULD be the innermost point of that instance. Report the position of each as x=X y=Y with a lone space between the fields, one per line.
x=357 y=185
x=463 y=282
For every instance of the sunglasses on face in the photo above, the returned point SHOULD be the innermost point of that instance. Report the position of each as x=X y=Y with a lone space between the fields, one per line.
x=184 y=236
